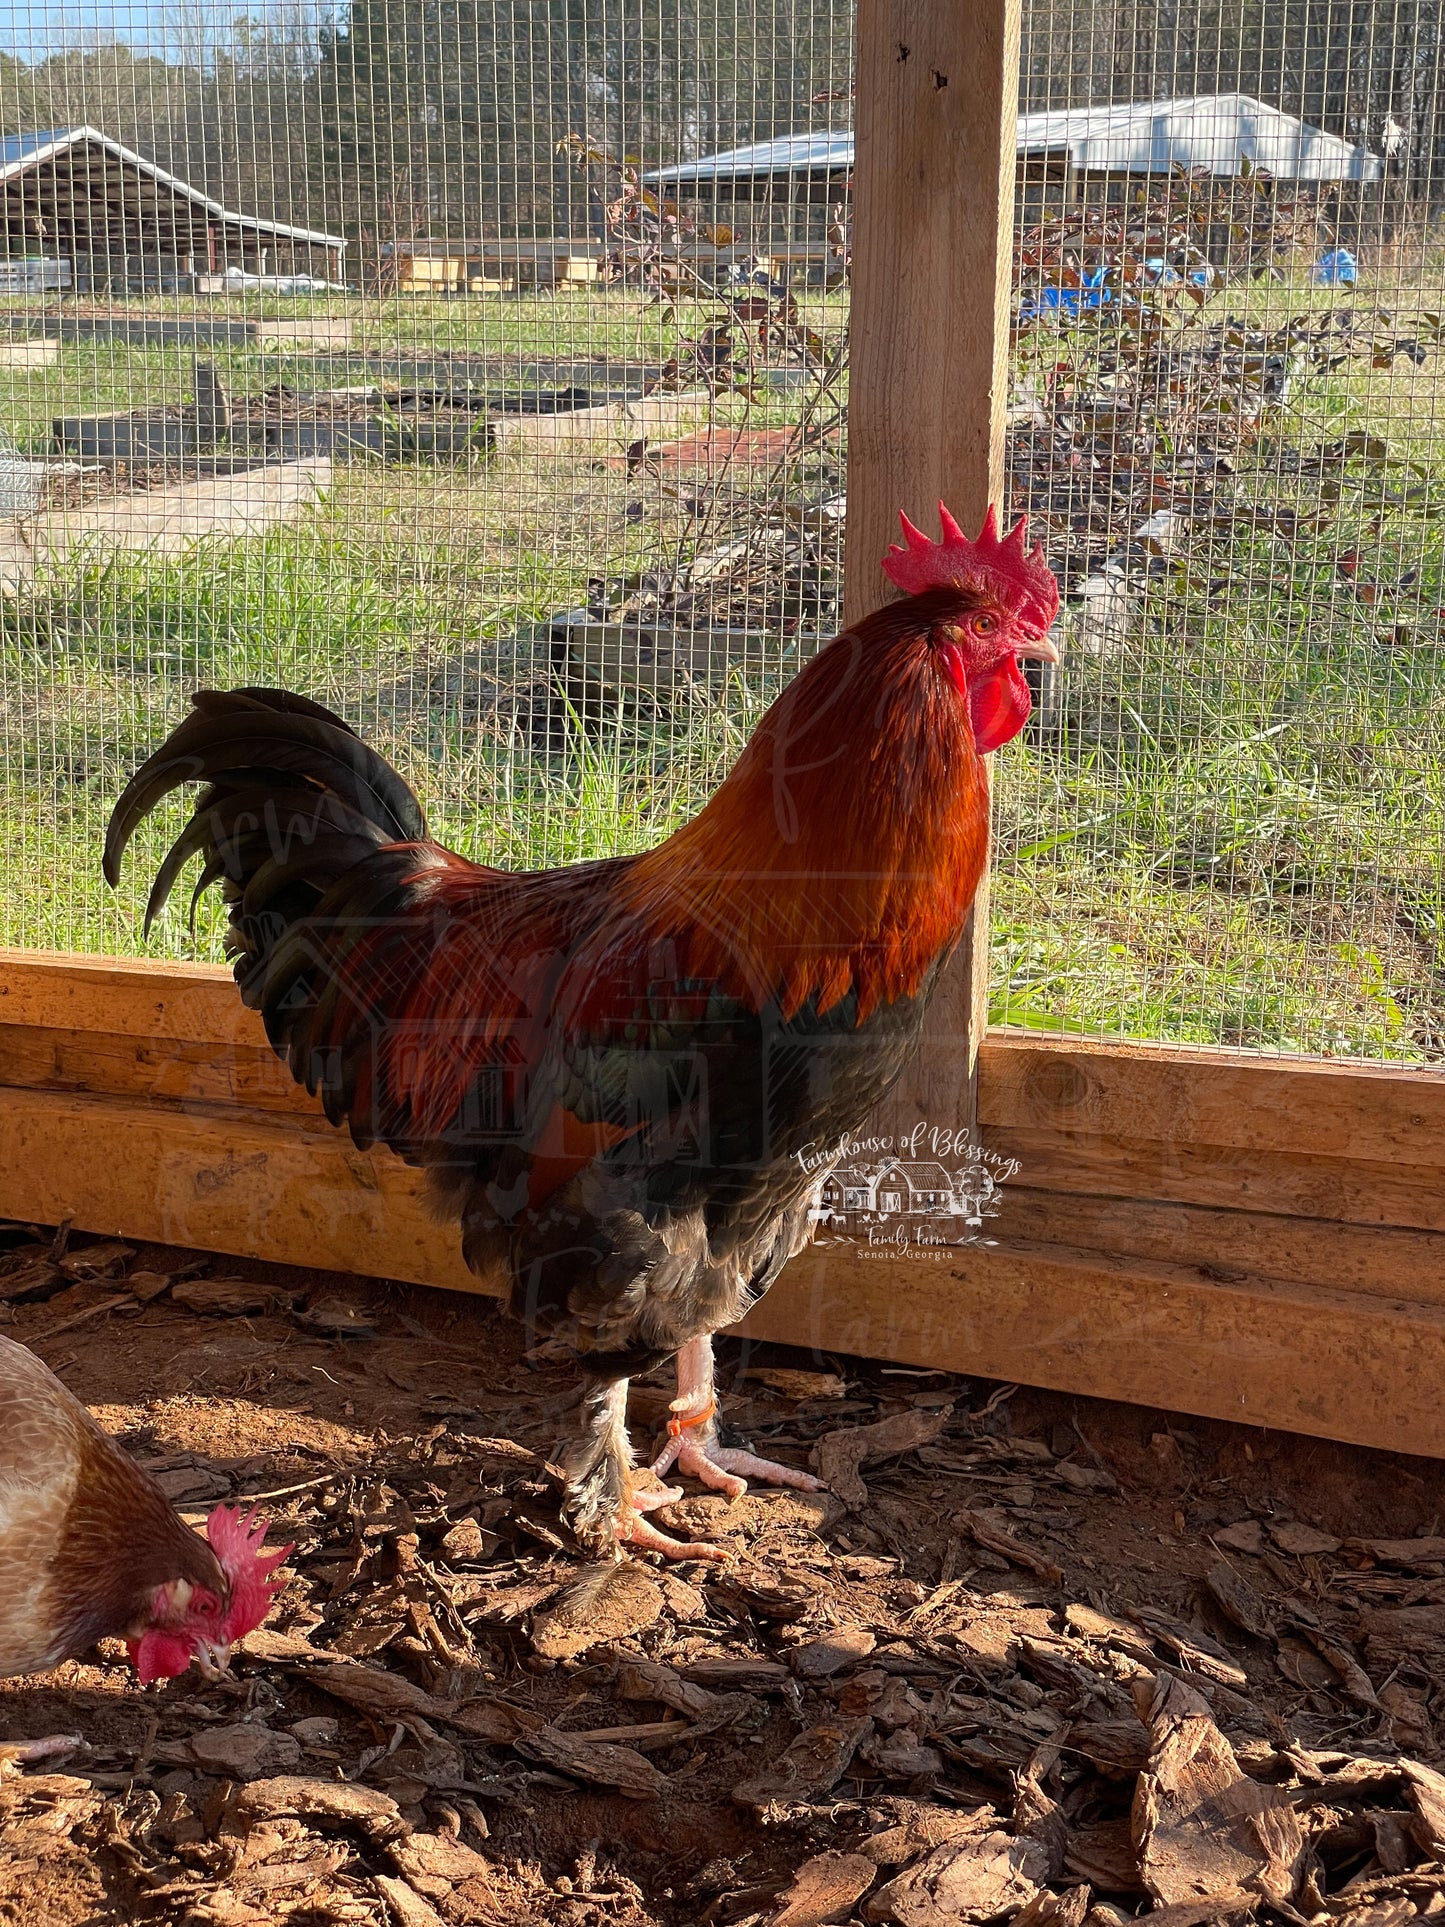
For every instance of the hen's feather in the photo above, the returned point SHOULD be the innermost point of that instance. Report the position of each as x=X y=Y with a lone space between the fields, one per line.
x=86 y=1536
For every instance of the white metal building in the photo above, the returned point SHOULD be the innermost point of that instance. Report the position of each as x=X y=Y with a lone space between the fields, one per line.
x=110 y=218
x=1218 y=133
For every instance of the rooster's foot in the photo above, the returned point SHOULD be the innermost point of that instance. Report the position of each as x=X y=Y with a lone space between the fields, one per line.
x=723 y=1469
x=692 y=1444
x=640 y=1532
x=647 y=1494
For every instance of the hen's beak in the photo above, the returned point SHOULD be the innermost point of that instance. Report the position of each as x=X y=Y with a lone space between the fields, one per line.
x=1039 y=648
x=213 y=1657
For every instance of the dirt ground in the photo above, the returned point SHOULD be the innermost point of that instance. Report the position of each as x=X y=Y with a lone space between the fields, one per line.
x=1030 y=1657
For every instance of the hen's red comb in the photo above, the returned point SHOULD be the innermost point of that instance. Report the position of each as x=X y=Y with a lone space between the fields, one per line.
x=236 y=1539
x=1001 y=569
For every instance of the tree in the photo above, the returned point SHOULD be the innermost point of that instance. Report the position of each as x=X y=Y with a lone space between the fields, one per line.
x=460 y=106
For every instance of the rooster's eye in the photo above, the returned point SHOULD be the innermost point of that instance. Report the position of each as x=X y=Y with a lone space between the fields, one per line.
x=983 y=624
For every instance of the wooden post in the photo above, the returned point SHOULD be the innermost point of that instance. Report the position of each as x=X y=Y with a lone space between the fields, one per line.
x=213 y=405
x=933 y=196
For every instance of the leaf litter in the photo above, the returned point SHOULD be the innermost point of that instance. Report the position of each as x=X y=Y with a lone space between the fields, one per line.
x=1008 y=1677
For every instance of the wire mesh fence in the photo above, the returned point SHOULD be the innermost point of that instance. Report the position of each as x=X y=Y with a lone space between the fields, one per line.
x=1225 y=407
x=481 y=371
x=358 y=357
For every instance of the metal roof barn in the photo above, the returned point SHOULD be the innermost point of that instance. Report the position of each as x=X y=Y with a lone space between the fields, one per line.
x=76 y=194
x=1217 y=133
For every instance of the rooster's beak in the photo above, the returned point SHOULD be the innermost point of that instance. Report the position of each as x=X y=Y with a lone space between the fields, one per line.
x=1040 y=648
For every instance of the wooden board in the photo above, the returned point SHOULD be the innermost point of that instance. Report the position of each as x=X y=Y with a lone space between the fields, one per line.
x=254 y=1185
x=1228 y=1246
x=126 y=995
x=1264 y=1245
x=1303 y=1358
x=1179 y=1171
x=1238 y=1098
x=183 y=1071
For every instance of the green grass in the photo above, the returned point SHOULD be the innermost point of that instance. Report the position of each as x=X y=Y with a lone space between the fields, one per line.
x=1236 y=838
x=421 y=645
x=1249 y=854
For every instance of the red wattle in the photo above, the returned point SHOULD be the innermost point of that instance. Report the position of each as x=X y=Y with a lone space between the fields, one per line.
x=999 y=704
x=160 y=1654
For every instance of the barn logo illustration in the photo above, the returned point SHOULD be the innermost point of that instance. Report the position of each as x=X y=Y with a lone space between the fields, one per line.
x=917 y=1197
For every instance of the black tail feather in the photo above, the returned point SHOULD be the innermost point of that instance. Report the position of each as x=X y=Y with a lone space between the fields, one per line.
x=264 y=743
x=313 y=838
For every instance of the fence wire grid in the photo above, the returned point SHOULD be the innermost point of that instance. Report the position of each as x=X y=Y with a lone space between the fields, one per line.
x=418 y=356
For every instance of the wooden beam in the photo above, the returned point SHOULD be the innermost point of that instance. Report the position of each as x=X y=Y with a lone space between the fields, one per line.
x=1174 y=1093
x=144 y=1069
x=1297 y=1139
x=1224 y=1244
x=139 y=996
x=222 y=1179
x=1293 y=1184
x=141 y=1100
x=933 y=189
x=1301 y=1358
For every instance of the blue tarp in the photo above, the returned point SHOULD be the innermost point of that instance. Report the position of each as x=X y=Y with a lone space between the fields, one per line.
x=1069 y=301
x=1336 y=268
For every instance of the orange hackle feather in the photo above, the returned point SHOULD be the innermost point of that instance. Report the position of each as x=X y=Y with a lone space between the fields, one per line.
x=844 y=849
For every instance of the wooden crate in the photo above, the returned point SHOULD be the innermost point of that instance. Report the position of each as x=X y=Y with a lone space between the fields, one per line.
x=1206 y=1231
x=425 y=274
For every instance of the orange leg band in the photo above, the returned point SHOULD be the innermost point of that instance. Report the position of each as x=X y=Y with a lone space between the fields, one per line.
x=677 y=1425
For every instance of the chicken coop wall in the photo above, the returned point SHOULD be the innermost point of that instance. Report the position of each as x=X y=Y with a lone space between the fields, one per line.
x=1204 y=1231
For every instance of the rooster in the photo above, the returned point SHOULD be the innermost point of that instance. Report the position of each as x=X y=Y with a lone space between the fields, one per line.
x=611 y=1071
x=90 y=1547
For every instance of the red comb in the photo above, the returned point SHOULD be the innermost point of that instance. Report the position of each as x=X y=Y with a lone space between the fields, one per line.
x=1002 y=569
x=236 y=1538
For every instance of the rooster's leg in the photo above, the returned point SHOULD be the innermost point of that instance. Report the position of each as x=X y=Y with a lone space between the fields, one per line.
x=602 y=1505
x=692 y=1445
